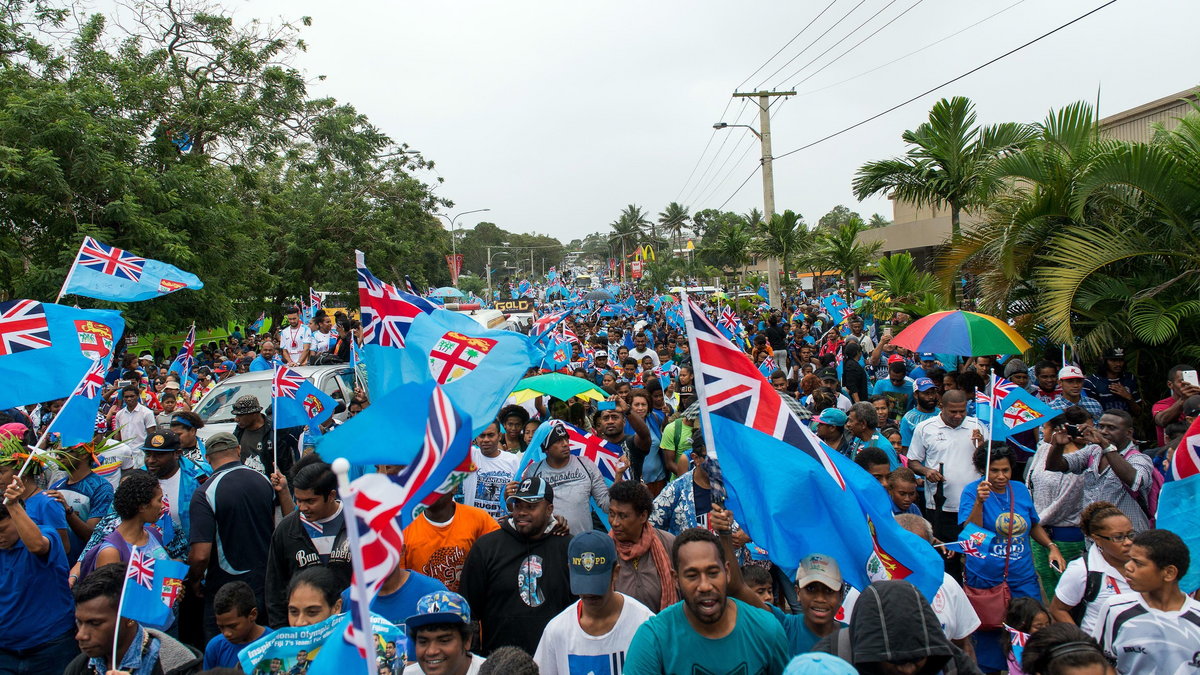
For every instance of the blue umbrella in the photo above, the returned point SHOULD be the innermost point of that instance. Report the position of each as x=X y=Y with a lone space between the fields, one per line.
x=448 y=292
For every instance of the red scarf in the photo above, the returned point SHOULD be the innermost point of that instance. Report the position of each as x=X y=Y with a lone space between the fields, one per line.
x=630 y=551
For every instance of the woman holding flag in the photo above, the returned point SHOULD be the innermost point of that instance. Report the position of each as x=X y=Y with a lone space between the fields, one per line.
x=1003 y=507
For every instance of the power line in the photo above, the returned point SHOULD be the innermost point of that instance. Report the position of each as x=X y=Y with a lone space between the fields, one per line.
x=714 y=185
x=840 y=41
x=857 y=45
x=915 y=51
x=810 y=44
x=739 y=187
x=786 y=45
x=724 y=141
x=947 y=82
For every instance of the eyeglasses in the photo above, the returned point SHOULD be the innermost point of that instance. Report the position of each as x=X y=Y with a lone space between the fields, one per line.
x=1119 y=538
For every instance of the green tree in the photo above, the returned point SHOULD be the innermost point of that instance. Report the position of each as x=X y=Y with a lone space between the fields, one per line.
x=673 y=220
x=946 y=163
x=784 y=236
x=838 y=215
x=731 y=247
x=840 y=249
x=878 y=220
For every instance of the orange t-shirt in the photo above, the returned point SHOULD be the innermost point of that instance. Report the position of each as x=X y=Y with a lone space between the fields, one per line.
x=440 y=551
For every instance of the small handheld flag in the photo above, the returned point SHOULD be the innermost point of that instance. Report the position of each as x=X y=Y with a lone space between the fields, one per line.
x=108 y=273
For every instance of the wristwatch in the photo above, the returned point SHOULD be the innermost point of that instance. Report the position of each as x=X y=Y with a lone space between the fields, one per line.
x=1109 y=448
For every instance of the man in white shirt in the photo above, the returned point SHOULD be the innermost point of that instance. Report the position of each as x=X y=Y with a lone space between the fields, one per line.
x=322 y=333
x=641 y=350
x=593 y=634
x=1156 y=628
x=484 y=487
x=296 y=340
x=942 y=450
x=133 y=421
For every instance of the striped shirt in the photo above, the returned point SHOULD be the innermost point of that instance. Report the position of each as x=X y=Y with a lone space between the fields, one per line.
x=1107 y=486
x=1091 y=405
x=1141 y=639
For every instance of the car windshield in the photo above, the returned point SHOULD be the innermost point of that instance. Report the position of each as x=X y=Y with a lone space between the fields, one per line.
x=217 y=407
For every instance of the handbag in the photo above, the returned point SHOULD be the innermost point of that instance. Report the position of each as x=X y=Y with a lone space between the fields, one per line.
x=991 y=604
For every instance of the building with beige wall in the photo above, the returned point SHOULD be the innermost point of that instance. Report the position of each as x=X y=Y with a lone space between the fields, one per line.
x=921 y=230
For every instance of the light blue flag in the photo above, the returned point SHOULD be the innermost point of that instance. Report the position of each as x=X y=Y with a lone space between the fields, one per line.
x=298 y=402
x=109 y=273
x=1179 y=512
x=1019 y=411
x=389 y=431
x=75 y=422
x=475 y=366
x=973 y=541
x=46 y=349
x=152 y=587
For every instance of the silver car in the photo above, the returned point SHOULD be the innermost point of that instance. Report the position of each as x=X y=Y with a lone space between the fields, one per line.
x=216 y=408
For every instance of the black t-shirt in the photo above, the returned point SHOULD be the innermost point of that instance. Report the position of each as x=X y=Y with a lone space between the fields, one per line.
x=703 y=498
x=854 y=378
x=776 y=336
x=235 y=511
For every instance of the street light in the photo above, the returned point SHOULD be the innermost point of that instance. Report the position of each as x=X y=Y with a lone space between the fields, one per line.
x=454 y=239
x=723 y=125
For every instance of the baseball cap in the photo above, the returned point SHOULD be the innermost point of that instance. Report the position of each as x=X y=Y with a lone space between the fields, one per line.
x=557 y=433
x=439 y=607
x=895 y=358
x=816 y=663
x=591 y=556
x=171 y=385
x=928 y=356
x=602 y=355
x=923 y=384
x=532 y=489
x=832 y=417
x=1070 y=373
x=827 y=374
x=162 y=440
x=220 y=442
x=820 y=568
x=145 y=356
x=1114 y=353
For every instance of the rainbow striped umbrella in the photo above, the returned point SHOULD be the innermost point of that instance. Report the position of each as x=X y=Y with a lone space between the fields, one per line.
x=961 y=333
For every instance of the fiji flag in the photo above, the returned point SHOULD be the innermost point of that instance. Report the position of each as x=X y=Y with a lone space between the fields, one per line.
x=109 y=273
x=1018 y=411
x=152 y=587
x=76 y=421
x=973 y=541
x=298 y=402
x=258 y=323
x=771 y=460
x=46 y=349
x=836 y=308
x=558 y=354
x=476 y=367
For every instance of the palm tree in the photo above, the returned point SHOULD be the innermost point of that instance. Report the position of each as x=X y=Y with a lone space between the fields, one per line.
x=625 y=235
x=673 y=219
x=732 y=246
x=784 y=236
x=878 y=221
x=753 y=218
x=840 y=249
x=946 y=163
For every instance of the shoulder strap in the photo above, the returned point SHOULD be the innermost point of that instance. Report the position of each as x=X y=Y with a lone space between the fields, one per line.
x=842 y=642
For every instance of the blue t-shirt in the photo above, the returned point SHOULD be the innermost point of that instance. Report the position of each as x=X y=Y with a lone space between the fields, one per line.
x=34 y=594
x=259 y=363
x=909 y=423
x=900 y=395
x=989 y=570
x=912 y=508
x=667 y=643
x=800 y=639
x=878 y=441
x=221 y=653
x=91 y=498
x=397 y=607
x=46 y=512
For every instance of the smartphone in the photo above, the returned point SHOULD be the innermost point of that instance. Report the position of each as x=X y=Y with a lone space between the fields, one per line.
x=606 y=405
x=1190 y=377
x=1054 y=564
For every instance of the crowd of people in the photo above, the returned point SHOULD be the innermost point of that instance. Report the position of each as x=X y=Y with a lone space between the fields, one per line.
x=549 y=566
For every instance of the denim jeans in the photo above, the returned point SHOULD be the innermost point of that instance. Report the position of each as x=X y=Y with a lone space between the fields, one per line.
x=49 y=657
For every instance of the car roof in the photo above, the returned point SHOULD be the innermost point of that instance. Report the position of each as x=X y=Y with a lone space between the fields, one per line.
x=306 y=371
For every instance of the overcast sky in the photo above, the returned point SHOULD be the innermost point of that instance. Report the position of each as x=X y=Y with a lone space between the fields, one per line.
x=557 y=114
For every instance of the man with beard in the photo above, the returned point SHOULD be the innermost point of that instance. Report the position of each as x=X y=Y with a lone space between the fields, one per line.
x=926 y=397
x=516 y=578
x=708 y=630
x=178 y=479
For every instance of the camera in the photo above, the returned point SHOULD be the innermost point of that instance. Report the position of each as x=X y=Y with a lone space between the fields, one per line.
x=1073 y=430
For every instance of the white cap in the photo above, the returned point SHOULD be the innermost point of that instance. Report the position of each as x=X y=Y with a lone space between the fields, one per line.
x=1070 y=373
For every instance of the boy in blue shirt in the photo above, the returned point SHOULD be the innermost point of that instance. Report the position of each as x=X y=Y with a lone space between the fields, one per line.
x=237 y=618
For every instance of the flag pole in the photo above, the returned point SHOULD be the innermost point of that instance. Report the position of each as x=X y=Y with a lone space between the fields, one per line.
x=987 y=468
x=70 y=273
x=120 y=607
x=275 y=421
x=358 y=586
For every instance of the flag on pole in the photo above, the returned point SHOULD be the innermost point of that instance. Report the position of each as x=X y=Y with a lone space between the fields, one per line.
x=152 y=587
x=1186 y=461
x=258 y=323
x=770 y=460
x=1017 y=639
x=108 y=273
x=314 y=299
x=387 y=313
x=45 y=349
x=298 y=402
x=75 y=422
x=973 y=541
x=185 y=359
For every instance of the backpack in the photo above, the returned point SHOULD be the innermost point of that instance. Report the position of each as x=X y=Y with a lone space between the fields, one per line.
x=843 y=650
x=1148 y=497
x=1091 y=590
